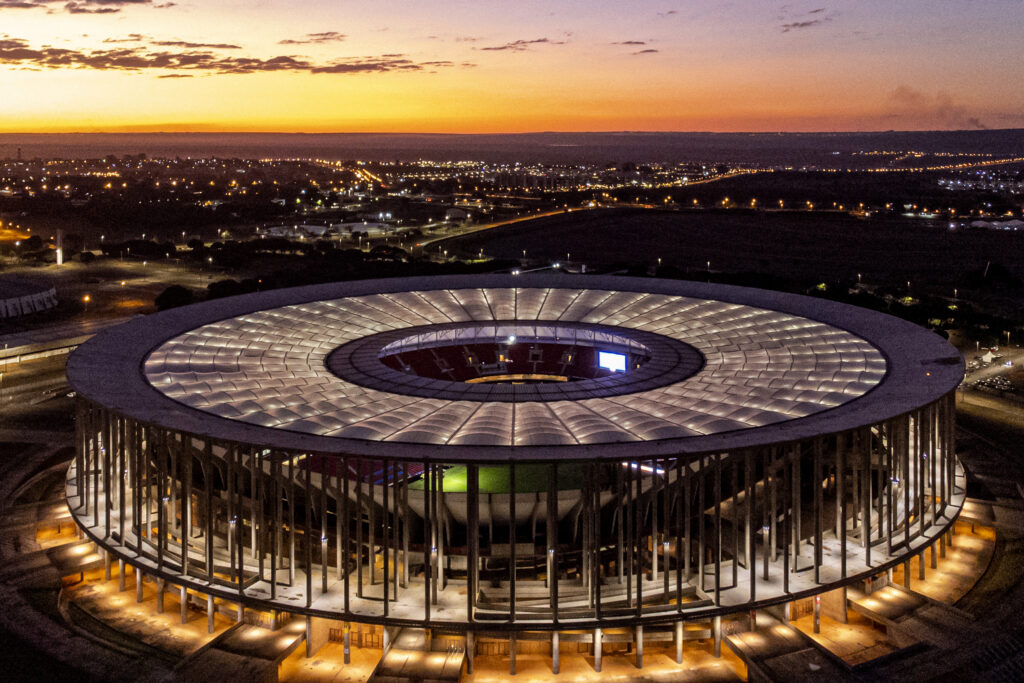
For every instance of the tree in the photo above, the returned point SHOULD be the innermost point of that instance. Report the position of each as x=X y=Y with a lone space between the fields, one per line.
x=172 y=297
x=223 y=288
x=73 y=243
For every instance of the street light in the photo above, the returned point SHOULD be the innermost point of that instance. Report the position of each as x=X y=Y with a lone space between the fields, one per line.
x=85 y=300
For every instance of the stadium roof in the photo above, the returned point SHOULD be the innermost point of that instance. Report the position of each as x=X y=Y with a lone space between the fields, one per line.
x=770 y=367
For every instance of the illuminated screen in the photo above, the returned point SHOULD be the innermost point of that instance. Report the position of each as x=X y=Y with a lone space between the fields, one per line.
x=616 y=362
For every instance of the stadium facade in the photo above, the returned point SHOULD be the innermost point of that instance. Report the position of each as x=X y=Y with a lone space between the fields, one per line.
x=503 y=454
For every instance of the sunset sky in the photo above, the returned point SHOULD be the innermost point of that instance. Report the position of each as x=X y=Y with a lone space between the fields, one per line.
x=485 y=66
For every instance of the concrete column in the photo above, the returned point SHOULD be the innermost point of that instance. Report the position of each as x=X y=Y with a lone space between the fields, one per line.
x=817 y=614
x=752 y=620
x=554 y=652
x=942 y=546
x=470 y=651
x=639 y=638
x=597 y=650
x=240 y=616
x=348 y=643
x=718 y=636
x=139 y=577
x=184 y=605
x=385 y=639
x=160 y=596
x=679 y=642
x=120 y=575
x=309 y=636
x=935 y=556
x=106 y=565
x=906 y=574
x=211 y=609
x=920 y=564
x=512 y=655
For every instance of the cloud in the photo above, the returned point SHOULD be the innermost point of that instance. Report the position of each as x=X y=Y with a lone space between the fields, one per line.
x=793 y=26
x=631 y=42
x=313 y=38
x=21 y=54
x=81 y=6
x=190 y=45
x=522 y=45
x=665 y=15
x=648 y=51
x=381 y=64
x=130 y=38
x=939 y=110
x=810 y=19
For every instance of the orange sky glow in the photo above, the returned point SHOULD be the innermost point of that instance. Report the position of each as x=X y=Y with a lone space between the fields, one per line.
x=474 y=67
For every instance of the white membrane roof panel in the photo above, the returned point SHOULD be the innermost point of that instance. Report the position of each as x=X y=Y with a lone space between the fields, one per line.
x=762 y=367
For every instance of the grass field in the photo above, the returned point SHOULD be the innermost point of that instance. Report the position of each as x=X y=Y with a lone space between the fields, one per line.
x=530 y=478
x=822 y=246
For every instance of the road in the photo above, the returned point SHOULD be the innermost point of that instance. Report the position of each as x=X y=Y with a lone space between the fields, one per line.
x=468 y=230
x=459 y=232
x=33 y=382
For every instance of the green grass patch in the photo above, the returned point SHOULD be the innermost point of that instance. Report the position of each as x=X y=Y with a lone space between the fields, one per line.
x=530 y=478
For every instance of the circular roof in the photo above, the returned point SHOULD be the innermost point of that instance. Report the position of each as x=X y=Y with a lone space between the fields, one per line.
x=666 y=360
x=770 y=367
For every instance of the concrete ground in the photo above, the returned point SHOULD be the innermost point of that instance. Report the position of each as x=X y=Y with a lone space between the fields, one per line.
x=699 y=664
x=140 y=621
x=328 y=664
x=859 y=640
x=956 y=574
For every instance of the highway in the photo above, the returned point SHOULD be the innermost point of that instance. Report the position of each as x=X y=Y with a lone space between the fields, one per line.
x=468 y=230
x=33 y=382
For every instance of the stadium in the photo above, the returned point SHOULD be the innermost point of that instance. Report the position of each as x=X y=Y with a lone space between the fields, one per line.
x=516 y=458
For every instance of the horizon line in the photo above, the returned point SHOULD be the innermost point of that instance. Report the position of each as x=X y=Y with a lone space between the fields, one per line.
x=512 y=133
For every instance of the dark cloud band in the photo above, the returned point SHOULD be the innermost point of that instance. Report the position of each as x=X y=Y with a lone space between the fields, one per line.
x=18 y=52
